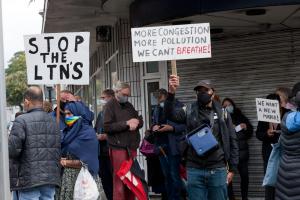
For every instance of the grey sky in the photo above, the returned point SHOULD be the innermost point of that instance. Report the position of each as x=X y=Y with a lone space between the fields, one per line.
x=19 y=18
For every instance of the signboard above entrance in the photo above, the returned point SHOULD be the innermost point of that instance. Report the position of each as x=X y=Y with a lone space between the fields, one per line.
x=177 y=42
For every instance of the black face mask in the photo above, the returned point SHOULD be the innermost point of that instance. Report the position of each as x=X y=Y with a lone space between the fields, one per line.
x=203 y=98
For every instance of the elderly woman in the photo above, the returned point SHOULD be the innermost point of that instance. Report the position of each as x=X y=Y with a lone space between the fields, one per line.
x=79 y=145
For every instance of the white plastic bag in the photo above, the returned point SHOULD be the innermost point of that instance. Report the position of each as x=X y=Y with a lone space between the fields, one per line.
x=85 y=186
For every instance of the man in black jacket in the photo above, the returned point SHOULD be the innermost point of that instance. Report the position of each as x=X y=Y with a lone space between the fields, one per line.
x=34 y=151
x=207 y=175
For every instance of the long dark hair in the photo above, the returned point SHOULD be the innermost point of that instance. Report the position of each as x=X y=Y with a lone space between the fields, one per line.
x=236 y=110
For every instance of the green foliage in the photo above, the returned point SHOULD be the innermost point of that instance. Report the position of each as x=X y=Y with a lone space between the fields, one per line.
x=16 y=79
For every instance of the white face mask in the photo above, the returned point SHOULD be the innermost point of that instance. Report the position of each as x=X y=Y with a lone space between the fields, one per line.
x=162 y=104
x=230 y=109
x=101 y=102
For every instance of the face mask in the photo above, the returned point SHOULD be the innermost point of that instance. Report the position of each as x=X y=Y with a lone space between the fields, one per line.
x=101 y=102
x=123 y=99
x=71 y=120
x=203 y=98
x=162 y=104
x=230 y=109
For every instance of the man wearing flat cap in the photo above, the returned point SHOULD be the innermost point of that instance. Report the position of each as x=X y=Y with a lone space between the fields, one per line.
x=207 y=175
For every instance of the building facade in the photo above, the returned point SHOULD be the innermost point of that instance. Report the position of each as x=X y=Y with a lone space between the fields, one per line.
x=255 y=49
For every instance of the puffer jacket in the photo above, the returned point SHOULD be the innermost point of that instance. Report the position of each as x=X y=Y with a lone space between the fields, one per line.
x=34 y=151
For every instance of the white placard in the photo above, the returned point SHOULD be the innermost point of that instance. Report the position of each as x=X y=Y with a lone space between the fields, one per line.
x=58 y=58
x=176 y=42
x=268 y=110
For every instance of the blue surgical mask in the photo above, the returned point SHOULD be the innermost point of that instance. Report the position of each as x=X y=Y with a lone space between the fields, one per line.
x=230 y=109
x=162 y=104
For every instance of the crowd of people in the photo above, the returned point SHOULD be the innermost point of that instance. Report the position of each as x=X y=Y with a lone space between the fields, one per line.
x=46 y=157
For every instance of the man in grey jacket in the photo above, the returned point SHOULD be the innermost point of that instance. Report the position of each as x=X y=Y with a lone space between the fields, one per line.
x=34 y=151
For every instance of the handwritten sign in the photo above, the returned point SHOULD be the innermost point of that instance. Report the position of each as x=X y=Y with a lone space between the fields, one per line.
x=268 y=110
x=58 y=58
x=171 y=42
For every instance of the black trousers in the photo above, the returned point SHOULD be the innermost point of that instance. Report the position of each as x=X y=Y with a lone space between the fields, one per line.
x=243 y=171
x=105 y=173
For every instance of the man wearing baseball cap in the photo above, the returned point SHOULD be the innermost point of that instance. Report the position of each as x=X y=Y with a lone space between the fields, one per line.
x=207 y=175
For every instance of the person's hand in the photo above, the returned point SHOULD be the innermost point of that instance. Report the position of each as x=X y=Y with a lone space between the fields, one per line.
x=229 y=177
x=133 y=124
x=243 y=126
x=71 y=97
x=155 y=128
x=166 y=128
x=102 y=136
x=173 y=83
x=270 y=132
x=63 y=162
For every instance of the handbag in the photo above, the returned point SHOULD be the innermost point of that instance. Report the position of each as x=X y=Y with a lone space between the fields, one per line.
x=270 y=177
x=147 y=149
x=202 y=140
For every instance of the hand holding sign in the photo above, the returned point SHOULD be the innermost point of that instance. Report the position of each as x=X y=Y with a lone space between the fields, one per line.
x=173 y=84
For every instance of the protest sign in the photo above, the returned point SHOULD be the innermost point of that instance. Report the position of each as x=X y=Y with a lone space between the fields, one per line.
x=58 y=58
x=177 y=42
x=268 y=110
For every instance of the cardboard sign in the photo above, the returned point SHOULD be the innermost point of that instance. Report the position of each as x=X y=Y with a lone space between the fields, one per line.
x=58 y=58
x=171 y=42
x=268 y=110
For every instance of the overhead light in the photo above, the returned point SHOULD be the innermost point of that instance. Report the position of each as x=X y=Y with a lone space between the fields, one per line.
x=103 y=33
x=255 y=12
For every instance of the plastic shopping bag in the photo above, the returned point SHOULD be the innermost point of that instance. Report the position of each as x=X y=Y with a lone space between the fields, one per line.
x=85 y=186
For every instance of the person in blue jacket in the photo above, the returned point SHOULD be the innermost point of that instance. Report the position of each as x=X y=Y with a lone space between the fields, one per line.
x=288 y=176
x=167 y=139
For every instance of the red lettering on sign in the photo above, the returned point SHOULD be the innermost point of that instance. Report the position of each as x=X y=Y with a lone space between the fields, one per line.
x=194 y=50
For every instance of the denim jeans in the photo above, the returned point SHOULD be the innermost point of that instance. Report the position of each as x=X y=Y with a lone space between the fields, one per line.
x=170 y=167
x=207 y=184
x=45 y=192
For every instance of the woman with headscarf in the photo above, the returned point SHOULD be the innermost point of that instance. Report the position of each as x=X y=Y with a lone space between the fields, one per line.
x=244 y=131
x=79 y=145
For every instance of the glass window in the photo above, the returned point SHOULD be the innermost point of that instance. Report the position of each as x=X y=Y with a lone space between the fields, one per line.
x=152 y=67
x=152 y=88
